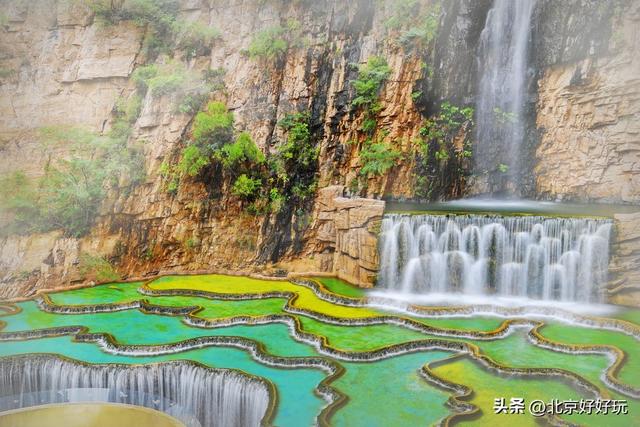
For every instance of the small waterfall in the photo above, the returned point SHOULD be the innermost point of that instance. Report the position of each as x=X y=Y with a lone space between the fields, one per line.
x=194 y=395
x=502 y=65
x=564 y=259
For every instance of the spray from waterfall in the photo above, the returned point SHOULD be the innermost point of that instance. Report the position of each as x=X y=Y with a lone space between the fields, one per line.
x=563 y=259
x=502 y=66
x=194 y=395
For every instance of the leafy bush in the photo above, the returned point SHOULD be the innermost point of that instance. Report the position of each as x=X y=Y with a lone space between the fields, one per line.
x=196 y=38
x=242 y=151
x=371 y=76
x=69 y=194
x=245 y=187
x=440 y=165
x=403 y=11
x=377 y=158
x=213 y=127
x=295 y=162
x=268 y=44
x=19 y=200
x=160 y=79
x=273 y=43
x=159 y=16
x=424 y=31
x=192 y=161
x=420 y=24
x=164 y=30
x=98 y=268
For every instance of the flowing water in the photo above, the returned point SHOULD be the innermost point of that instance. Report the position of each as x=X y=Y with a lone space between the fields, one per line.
x=533 y=257
x=192 y=394
x=502 y=65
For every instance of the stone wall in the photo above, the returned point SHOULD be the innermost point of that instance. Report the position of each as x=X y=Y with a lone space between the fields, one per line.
x=344 y=236
x=588 y=116
x=624 y=268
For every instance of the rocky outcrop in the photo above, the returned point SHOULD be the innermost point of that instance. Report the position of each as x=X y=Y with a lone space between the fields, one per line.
x=588 y=116
x=345 y=235
x=69 y=69
x=624 y=286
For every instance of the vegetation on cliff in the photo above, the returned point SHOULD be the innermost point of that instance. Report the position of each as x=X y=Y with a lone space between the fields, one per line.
x=444 y=151
x=263 y=182
x=69 y=193
x=272 y=43
x=164 y=31
x=377 y=156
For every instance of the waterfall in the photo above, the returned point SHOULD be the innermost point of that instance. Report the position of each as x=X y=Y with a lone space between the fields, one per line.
x=502 y=65
x=535 y=257
x=195 y=395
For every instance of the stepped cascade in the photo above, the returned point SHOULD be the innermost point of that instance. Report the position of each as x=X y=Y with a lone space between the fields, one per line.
x=502 y=63
x=534 y=257
x=190 y=393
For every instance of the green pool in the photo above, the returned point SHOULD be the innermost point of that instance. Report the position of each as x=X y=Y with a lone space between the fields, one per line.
x=304 y=338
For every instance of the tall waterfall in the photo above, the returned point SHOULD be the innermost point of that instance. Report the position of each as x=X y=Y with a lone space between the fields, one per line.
x=195 y=395
x=502 y=65
x=563 y=259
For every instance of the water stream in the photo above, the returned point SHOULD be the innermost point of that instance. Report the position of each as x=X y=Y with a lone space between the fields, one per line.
x=559 y=259
x=190 y=393
x=502 y=65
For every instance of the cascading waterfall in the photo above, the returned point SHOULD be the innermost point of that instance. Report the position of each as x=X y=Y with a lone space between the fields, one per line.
x=193 y=394
x=502 y=65
x=563 y=259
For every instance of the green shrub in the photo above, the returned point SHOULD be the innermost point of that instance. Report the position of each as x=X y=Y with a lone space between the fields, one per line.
x=377 y=158
x=242 y=151
x=295 y=163
x=273 y=43
x=192 y=161
x=69 y=194
x=159 y=16
x=424 y=31
x=171 y=176
x=276 y=200
x=129 y=109
x=246 y=187
x=196 y=38
x=403 y=11
x=191 y=243
x=142 y=75
x=161 y=79
x=189 y=89
x=437 y=158
x=98 y=268
x=420 y=24
x=213 y=127
x=270 y=43
x=371 y=76
x=19 y=200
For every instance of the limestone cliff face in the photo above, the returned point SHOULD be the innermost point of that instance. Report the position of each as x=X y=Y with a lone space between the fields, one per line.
x=62 y=67
x=588 y=113
x=68 y=69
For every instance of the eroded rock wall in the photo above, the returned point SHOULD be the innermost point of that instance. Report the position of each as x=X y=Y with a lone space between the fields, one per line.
x=62 y=67
x=67 y=69
x=588 y=115
x=624 y=286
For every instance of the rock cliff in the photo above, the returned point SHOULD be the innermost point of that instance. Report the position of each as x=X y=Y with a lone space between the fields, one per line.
x=63 y=64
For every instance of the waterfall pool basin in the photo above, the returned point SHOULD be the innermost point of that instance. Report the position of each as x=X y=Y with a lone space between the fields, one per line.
x=87 y=415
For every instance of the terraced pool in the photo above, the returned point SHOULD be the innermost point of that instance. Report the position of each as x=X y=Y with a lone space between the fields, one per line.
x=326 y=355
